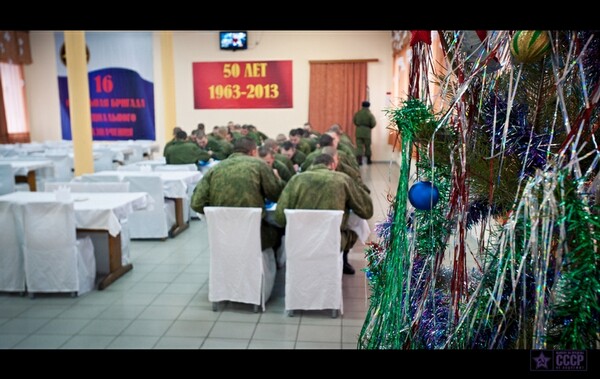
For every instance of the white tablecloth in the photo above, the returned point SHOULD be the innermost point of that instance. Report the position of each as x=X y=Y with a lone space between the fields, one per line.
x=22 y=167
x=98 y=211
x=175 y=183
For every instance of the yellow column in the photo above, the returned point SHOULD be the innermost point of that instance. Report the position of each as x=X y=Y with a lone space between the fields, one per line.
x=79 y=102
x=168 y=74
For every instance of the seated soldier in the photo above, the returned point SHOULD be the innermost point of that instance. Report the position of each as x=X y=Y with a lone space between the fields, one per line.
x=296 y=156
x=183 y=151
x=321 y=187
x=279 y=168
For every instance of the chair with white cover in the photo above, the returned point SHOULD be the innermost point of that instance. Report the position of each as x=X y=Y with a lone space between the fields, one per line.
x=176 y=167
x=55 y=260
x=155 y=222
x=129 y=167
x=104 y=161
x=7 y=179
x=239 y=270
x=12 y=269
x=98 y=239
x=314 y=262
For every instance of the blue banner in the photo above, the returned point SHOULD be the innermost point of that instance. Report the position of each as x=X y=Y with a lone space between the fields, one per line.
x=121 y=90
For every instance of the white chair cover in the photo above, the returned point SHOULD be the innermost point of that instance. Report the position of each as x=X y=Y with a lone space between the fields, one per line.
x=239 y=270
x=55 y=261
x=12 y=269
x=129 y=167
x=7 y=179
x=313 y=278
x=154 y=223
x=105 y=161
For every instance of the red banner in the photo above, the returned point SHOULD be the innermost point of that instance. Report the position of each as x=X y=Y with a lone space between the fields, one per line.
x=236 y=85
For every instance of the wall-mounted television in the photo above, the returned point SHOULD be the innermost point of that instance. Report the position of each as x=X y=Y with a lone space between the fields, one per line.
x=233 y=40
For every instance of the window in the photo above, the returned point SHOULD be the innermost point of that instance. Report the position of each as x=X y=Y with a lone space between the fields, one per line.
x=13 y=94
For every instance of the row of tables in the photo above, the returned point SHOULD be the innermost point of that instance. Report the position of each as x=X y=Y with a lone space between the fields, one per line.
x=101 y=212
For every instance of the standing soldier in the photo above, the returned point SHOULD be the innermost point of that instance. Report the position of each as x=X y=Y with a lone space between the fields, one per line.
x=364 y=121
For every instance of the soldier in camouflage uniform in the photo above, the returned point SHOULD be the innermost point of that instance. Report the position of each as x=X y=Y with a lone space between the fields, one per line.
x=241 y=180
x=182 y=151
x=301 y=145
x=279 y=169
x=296 y=156
x=364 y=121
x=321 y=187
x=168 y=144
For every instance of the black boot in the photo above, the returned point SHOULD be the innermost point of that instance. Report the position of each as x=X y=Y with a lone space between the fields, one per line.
x=369 y=159
x=348 y=269
x=359 y=159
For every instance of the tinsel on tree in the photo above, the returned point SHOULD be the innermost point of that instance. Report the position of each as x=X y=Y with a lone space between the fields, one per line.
x=509 y=257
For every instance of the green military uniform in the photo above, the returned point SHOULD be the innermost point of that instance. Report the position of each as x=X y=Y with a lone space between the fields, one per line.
x=220 y=148
x=312 y=143
x=346 y=164
x=167 y=145
x=321 y=188
x=298 y=157
x=303 y=147
x=240 y=181
x=287 y=161
x=364 y=121
x=184 y=152
x=282 y=170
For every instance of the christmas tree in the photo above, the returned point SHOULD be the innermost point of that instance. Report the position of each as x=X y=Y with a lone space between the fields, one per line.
x=508 y=170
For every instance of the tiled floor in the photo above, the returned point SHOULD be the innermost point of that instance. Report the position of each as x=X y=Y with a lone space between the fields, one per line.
x=163 y=303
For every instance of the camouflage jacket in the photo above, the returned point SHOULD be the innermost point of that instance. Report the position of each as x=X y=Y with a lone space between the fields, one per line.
x=365 y=121
x=321 y=188
x=238 y=181
x=184 y=152
x=220 y=148
x=345 y=164
x=287 y=161
x=282 y=170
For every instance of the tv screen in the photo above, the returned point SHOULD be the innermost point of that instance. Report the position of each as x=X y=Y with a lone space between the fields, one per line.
x=233 y=40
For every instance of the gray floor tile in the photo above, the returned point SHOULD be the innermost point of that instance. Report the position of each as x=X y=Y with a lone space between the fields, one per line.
x=13 y=310
x=232 y=330
x=161 y=312
x=133 y=342
x=279 y=318
x=239 y=315
x=319 y=333
x=134 y=298
x=176 y=268
x=318 y=345
x=105 y=327
x=184 y=328
x=88 y=342
x=159 y=277
x=350 y=334
x=83 y=311
x=97 y=298
x=179 y=343
x=44 y=311
x=352 y=321
x=320 y=317
x=194 y=313
x=63 y=326
x=148 y=327
x=8 y=341
x=349 y=346
x=122 y=311
x=149 y=287
x=23 y=325
x=3 y=320
x=173 y=299
x=286 y=332
x=190 y=277
x=183 y=288
x=225 y=343
x=41 y=341
x=272 y=344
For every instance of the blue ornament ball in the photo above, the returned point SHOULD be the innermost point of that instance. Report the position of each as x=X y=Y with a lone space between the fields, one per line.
x=423 y=195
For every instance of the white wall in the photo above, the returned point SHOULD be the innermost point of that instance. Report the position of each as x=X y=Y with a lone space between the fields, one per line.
x=202 y=46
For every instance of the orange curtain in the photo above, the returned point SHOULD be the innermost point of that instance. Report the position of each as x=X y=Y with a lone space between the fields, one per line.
x=336 y=92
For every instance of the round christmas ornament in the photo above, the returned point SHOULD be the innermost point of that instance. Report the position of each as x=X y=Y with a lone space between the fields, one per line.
x=529 y=46
x=423 y=195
